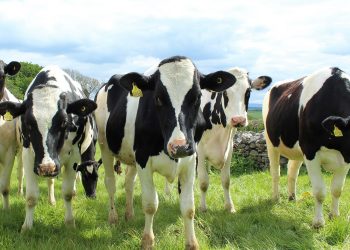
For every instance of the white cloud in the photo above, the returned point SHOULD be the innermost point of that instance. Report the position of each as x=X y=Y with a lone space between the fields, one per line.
x=283 y=39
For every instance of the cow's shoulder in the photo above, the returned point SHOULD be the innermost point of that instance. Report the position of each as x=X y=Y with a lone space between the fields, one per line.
x=282 y=118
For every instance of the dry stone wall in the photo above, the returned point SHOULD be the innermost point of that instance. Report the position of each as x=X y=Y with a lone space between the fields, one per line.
x=253 y=145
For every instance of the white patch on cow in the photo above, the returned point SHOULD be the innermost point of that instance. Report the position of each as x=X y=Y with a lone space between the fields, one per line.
x=90 y=169
x=289 y=96
x=177 y=77
x=61 y=81
x=109 y=87
x=126 y=152
x=44 y=108
x=331 y=159
x=8 y=96
x=101 y=115
x=88 y=131
x=312 y=84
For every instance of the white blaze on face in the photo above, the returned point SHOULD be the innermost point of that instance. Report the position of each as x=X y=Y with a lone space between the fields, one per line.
x=90 y=169
x=44 y=108
x=312 y=84
x=236 y=95
x=177 y=77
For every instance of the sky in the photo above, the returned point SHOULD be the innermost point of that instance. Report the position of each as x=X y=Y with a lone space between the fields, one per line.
x=280 y=38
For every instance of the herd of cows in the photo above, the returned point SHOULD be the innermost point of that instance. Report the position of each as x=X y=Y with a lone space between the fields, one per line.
x=169 y=120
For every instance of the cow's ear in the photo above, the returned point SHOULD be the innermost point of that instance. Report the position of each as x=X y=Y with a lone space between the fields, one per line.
x=12 y=68
x=217 y=81
x=261 y=82
x=11 y=110
x=82 y=107
x=136 y=83
x=336 y=125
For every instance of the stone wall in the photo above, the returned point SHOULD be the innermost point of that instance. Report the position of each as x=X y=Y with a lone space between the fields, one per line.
x=253 y=145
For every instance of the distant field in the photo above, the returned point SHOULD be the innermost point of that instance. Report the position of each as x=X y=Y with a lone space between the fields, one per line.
x=254 y=115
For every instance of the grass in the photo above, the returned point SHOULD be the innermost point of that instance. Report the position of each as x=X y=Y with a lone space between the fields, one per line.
x=257 y=224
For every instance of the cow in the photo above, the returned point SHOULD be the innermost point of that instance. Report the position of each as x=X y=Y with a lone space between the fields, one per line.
x=51 y=117
x=224 y=112
x=156 y=133
x=8 y=145
x=306 y=120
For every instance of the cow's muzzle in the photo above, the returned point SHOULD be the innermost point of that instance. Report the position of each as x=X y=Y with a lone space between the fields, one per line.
x=179 y=149
x=47 y=170
x=238 y=121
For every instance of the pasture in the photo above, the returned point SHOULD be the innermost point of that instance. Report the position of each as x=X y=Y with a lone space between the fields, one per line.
x=257 y=224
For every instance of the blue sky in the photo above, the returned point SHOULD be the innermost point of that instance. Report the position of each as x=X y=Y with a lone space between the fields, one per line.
x=279 y=38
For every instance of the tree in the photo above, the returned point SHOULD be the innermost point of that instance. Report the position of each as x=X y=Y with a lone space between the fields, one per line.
x=18 y=83
x=89 y=85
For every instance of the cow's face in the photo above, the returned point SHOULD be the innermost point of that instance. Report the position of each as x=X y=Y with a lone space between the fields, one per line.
x=176 y=89
x=234 y=101
x=89 y=176
x=7 y=69
x=46 y=121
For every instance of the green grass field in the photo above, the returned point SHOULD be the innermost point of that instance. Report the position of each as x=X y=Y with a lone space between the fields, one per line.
x=254 y=115
x=257 y=224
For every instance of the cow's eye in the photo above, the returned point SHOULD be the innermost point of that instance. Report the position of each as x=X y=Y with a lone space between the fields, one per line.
x=159 y=102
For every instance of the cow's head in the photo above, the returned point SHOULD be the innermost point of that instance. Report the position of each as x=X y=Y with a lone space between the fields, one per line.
x=89 y=176
x=234 y=101
x=47 y=116
x=176 y=87
x=7 y=69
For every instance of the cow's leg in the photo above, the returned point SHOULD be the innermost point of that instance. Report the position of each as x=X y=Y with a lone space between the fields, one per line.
x=186 y=179
x=149 y=205
x=130 y=178
x=319 y=190
x=32 y=188
x=168 y=187
x=293 y=172
x=68 y=191
x=336 y=189
x=5 y=176
x=108 y=160
x=51 y=191
x=225 y=182
x=20 y=172
x=274 y=158
x=203 y=179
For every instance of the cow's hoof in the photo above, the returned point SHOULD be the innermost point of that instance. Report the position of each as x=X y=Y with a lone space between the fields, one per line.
x=25 y=228
x=129 y=216
x=318 y=223
x=70 y=223
x=230 y=208
x=292 y=197
x=275 y=198
x=192 y=245
x=332 y=216
x=202 y=209
x=52 y=202
x=112 y=218
x=147 y=241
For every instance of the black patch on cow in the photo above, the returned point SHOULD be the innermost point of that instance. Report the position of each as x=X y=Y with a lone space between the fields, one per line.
x=207 y=115
x=179 y=186
x=246 y=98
x=225 y=98
x=41 y=78
x=336 y=71
x=148 y=136
x=213 y=95
x=330 y=100
x=116 y=105
x=282 y=119
x=218 y=115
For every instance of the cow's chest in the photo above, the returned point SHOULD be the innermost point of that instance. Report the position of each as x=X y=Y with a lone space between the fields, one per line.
x=216 y=145
x=331 y=159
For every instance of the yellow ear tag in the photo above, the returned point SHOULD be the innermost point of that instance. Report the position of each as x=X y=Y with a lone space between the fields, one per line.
x=83 y=108
x=136 y=91
x=337 y=132
x=8 y=116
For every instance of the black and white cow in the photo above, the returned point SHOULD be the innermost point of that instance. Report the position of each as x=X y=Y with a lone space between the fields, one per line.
x=223 y=113
x=8 y=144
x=307 y=120
x=53 y=105
x=155 y=133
